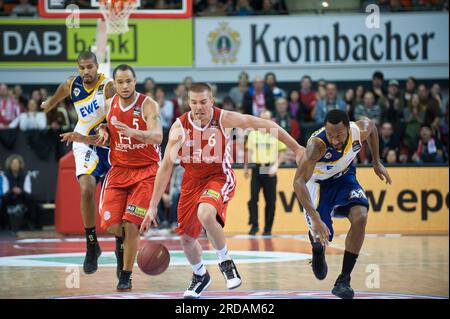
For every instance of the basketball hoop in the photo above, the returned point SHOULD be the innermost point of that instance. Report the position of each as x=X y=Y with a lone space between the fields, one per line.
x=116 y=14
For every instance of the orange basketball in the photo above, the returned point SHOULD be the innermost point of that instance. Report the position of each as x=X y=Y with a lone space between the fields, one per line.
x=153 y=258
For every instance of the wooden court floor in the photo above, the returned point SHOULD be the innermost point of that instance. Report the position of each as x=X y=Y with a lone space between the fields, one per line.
x=271 y=267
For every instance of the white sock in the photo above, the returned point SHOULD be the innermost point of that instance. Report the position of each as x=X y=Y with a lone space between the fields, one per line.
x=223 y=254
x=199 y=269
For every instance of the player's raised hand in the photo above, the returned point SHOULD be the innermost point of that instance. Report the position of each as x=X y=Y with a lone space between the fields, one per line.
x=44 y=106
x=150 y=217
x=72 y=137
x=382 y=173
x=123 y=128
x=320 y=230
x=103 y=135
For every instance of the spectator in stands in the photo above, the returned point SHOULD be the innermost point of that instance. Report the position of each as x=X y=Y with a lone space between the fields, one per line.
x=321 y=90
x=165 y=108
x=19 y=206
x=307 y=98
x=9 y=108
x=36 y=95
x=240 y=8
x=24 y=9
x=393 y=108
x=431 y=107
x=378 y=88
x=359 y=94
x=271 y=82
x=429 y=149
x=391 y=157
x=177 y=101
x=435 y=93
x=395 y=5
x=214 y=8
x=149 y=87
x=350 y=102
x=369 y=109
x=268 y=8
x=187 y=81
x=228 y=104
x=283 y=118
x=237 y=92
x=20 y=97
x=387 y=140
x=295 y=108
x=331 y=102
x=3 y=190
x=413 y=121
x=166 y=112
x=58 y=118
x=33 y=119
x=257 y=99
x=410 y=89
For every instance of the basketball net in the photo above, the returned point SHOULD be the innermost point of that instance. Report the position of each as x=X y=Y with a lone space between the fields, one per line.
x=116 y=14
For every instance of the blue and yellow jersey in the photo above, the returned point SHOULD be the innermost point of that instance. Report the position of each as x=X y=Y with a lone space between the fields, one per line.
x=337 y=163
x=89 y=104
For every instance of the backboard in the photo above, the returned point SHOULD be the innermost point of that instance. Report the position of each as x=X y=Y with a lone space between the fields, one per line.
x=90 y=9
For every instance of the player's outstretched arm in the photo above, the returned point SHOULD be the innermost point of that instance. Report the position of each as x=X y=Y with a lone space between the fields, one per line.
x=153 y=134
x=61 y=93
x=245 y=121
x=163 y=175
x=368 y=131
x=315 y=149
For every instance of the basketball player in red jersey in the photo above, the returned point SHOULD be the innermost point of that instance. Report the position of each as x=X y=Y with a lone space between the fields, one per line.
x=201 y=140
x=135 y=133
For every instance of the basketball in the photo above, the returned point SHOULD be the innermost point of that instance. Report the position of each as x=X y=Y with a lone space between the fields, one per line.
x=153 y=258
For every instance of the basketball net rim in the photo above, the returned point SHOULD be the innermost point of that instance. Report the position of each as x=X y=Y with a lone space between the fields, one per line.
x=116 y=14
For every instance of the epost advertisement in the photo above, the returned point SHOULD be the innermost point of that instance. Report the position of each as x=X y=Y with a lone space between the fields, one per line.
x=322 y=41
x=49 y=42
x=417 y=202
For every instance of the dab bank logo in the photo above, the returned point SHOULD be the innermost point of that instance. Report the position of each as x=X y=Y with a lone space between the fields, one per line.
x=224 y=44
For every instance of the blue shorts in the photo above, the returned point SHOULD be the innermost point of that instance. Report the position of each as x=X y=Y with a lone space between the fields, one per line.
x=335 y=197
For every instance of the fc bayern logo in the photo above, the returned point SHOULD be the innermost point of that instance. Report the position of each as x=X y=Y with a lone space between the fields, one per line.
x=224 y=44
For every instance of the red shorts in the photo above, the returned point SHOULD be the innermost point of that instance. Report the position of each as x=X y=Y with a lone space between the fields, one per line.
x=126 y=194
x=217 y=191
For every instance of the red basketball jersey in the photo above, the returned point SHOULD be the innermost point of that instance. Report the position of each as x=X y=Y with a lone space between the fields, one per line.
x=206 y=152
x=127 y=151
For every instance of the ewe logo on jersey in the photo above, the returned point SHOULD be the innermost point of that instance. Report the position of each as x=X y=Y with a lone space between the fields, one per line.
x=89 y=108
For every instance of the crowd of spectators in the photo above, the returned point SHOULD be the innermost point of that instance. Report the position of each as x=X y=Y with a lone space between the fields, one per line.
x=404 y=115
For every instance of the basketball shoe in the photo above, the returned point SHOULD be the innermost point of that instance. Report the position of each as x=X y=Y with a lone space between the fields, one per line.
x=342 y=287
x=90 y=264
x=197 y=286
x=125 y=278
x=229 y=271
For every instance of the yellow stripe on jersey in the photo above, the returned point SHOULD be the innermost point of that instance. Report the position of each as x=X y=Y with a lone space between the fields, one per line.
x=317 y=196
x=100 y=79
x=95 y=124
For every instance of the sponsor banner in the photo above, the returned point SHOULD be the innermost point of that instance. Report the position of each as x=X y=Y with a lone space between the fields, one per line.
x=414 y=203
x=324 y=41
x=48 y=42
